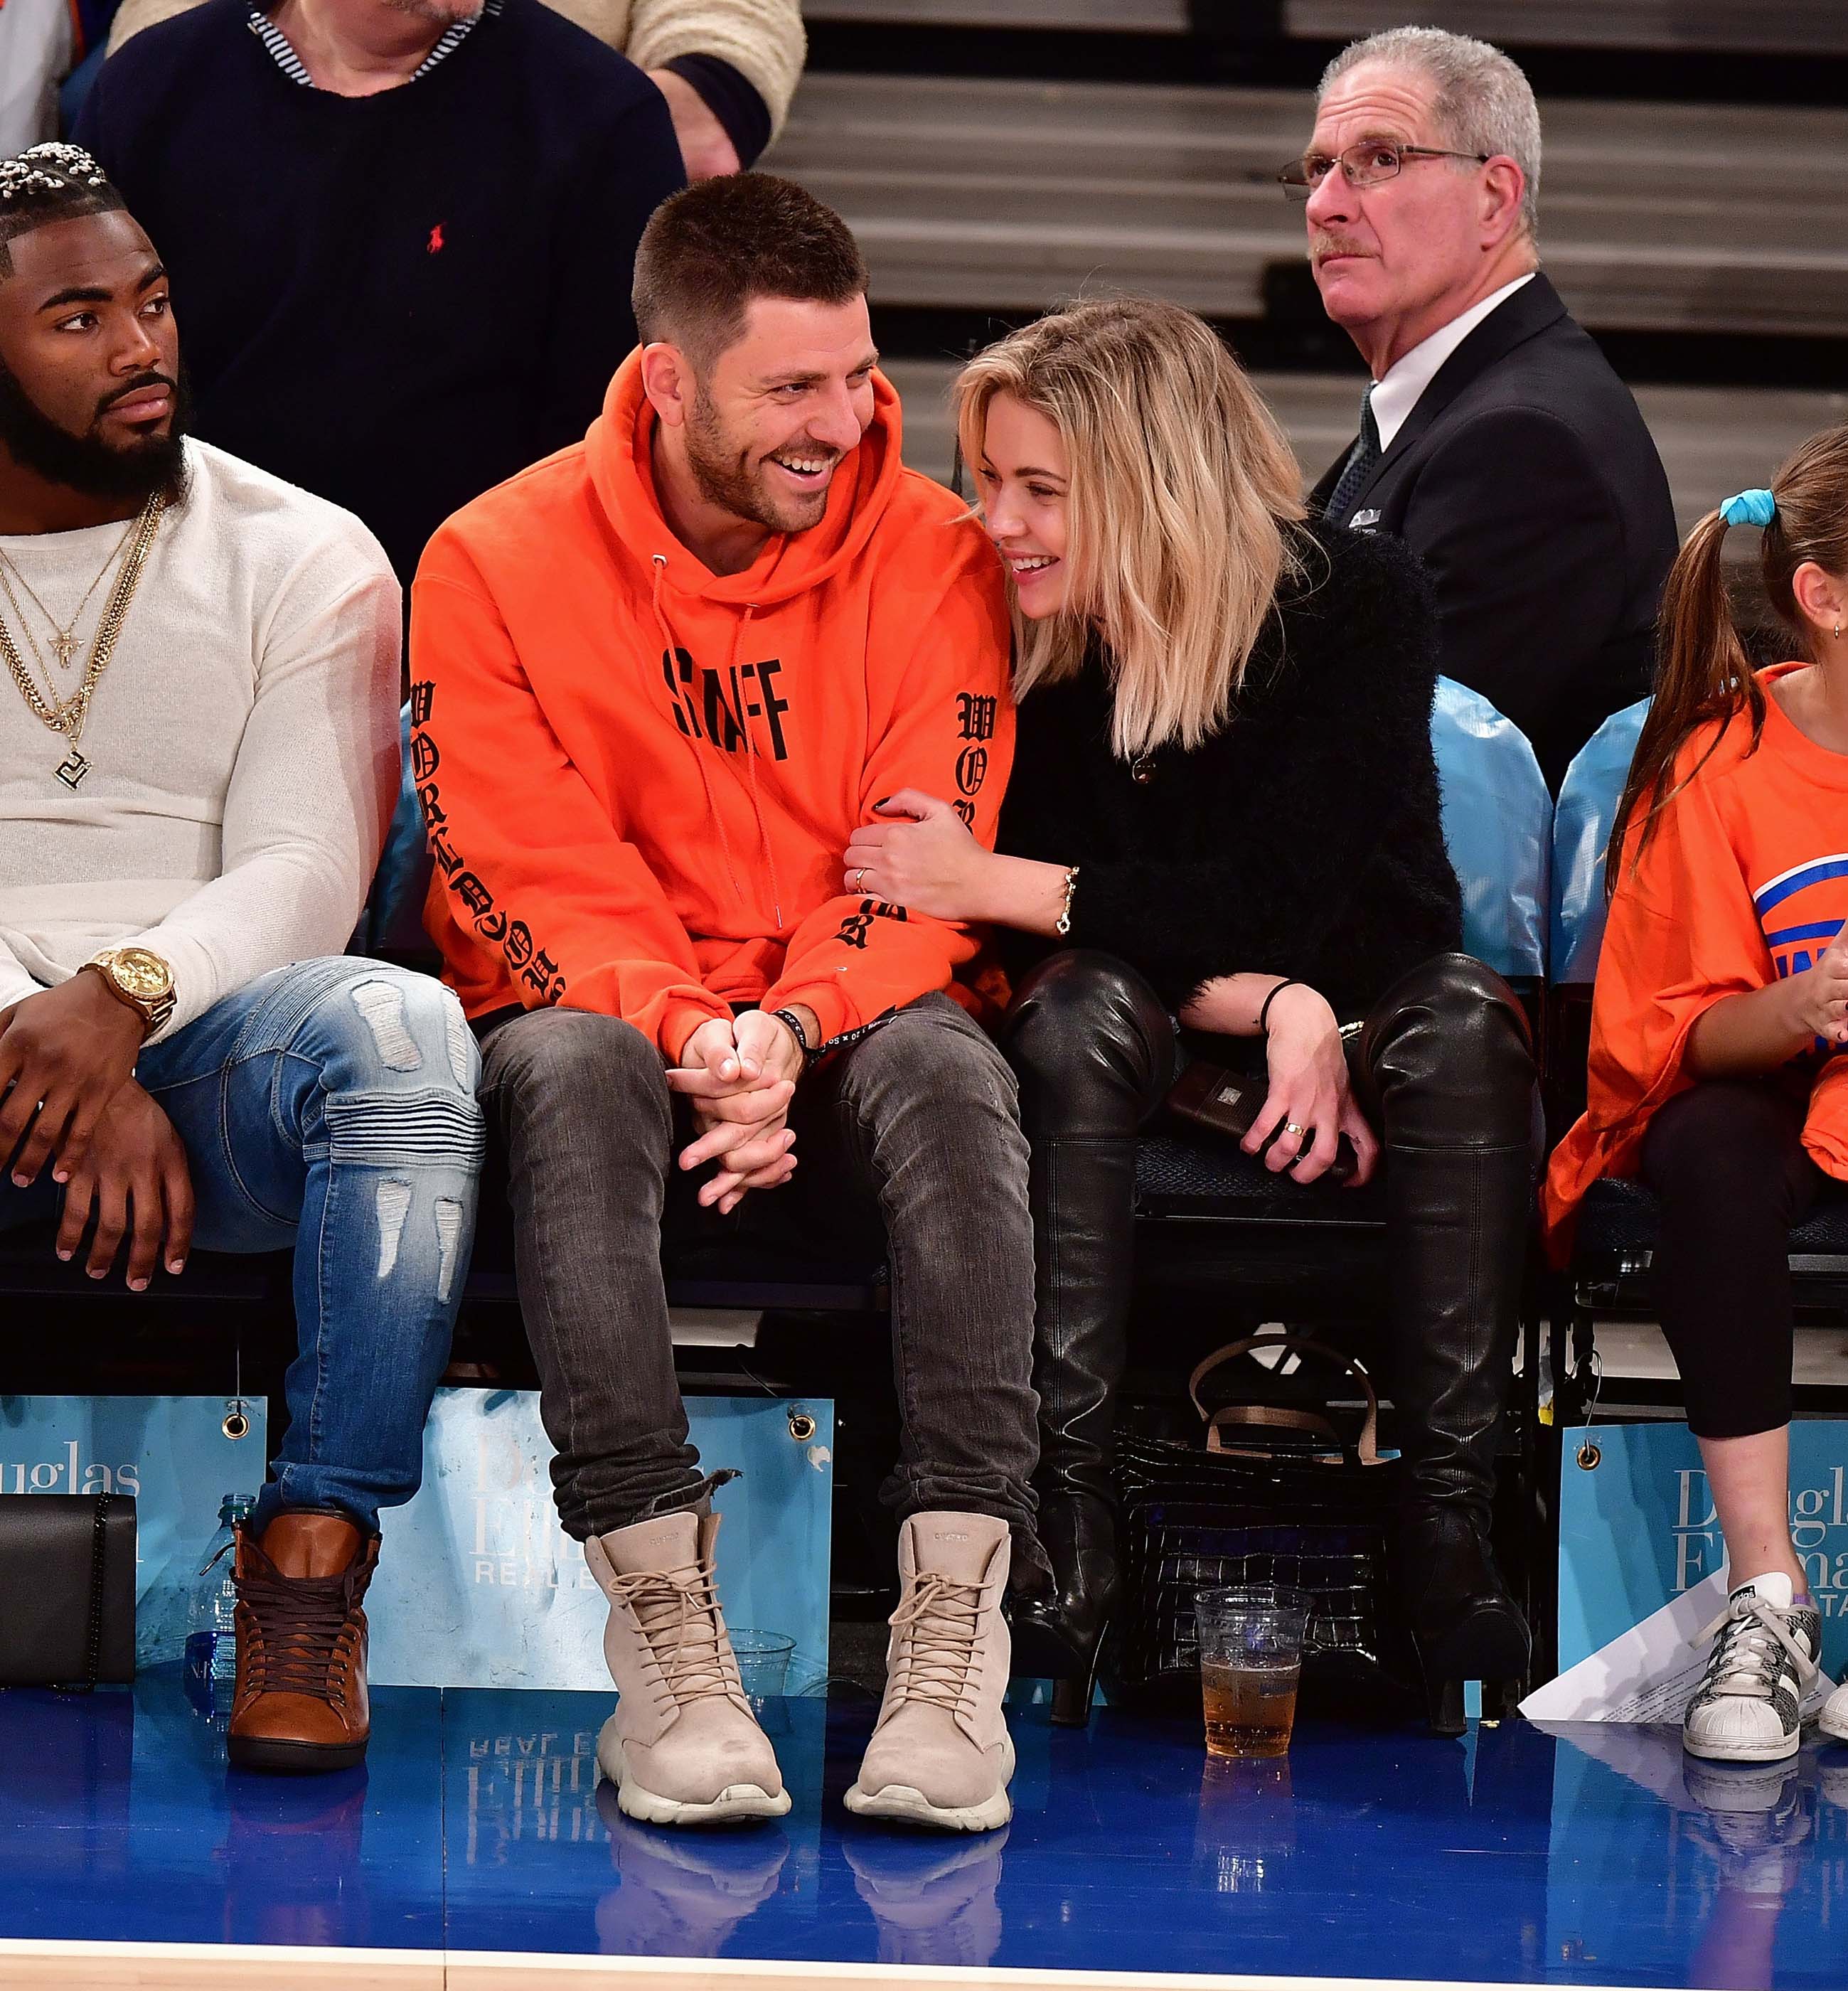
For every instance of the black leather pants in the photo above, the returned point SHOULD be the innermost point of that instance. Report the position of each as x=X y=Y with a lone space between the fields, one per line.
x=1443 y=1070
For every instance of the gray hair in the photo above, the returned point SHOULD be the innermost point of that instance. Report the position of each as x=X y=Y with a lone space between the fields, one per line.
x=1480 y=100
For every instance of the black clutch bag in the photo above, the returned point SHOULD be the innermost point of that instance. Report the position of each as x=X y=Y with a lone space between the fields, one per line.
x=1279 y=1496
x=66 y=1589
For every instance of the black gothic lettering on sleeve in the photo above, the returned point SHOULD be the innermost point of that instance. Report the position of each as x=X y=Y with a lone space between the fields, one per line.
x=974 y=716
x=535 y=967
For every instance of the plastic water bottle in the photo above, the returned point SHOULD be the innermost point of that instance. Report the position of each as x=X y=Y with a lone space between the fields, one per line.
x=211 y=1637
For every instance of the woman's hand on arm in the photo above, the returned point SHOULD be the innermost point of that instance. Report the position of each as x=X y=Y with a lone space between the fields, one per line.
x=1746 y=1035
x=1307 y=1065
x=924 y=858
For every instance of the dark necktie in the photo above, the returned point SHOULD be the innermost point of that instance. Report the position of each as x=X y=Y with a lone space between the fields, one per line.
x=1361 y=459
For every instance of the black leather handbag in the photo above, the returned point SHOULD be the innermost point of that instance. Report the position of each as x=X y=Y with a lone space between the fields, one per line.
x=66 y=1589
x=1278 y=1495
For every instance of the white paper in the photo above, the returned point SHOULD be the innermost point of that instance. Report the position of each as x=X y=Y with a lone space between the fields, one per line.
x=1651 y=1672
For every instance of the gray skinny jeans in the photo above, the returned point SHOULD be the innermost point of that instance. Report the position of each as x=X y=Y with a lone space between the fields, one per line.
x=908 y=1141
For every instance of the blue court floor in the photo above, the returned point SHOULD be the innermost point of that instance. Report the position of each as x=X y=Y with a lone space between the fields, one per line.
x=1591 y=1856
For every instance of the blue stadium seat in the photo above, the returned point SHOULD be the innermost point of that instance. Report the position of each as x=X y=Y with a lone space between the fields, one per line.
x=1581 y=828
x=394 y=921
x=1498 y=825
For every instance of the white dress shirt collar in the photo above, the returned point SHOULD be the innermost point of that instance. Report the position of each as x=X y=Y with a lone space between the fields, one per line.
x=1396 y=395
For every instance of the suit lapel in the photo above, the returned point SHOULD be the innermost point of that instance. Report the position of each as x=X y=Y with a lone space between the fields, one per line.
x=1532 y=309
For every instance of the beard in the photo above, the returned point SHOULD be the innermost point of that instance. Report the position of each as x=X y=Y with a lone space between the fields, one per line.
x=86 y=463
x=727 y=478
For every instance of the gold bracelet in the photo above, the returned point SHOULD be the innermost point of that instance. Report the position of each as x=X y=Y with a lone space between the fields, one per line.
x=1062 y=925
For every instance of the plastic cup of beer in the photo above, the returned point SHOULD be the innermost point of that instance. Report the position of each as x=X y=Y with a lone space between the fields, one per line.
x=1251 y=1660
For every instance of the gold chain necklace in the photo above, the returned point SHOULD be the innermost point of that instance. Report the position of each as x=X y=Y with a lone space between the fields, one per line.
x=64 y=639
x=66 y=716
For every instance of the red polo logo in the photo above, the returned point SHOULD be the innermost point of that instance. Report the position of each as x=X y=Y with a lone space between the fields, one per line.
x=434 y=247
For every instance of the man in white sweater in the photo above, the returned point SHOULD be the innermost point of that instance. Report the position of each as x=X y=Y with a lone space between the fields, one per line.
x=199 y=751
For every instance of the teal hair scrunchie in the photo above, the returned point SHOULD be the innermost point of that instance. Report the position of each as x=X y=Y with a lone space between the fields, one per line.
x=1749 y=508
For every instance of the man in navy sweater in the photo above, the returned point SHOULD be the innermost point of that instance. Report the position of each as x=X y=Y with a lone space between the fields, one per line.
x=400 y=234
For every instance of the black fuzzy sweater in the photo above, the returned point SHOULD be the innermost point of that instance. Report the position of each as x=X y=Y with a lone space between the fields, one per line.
x=1304 y=838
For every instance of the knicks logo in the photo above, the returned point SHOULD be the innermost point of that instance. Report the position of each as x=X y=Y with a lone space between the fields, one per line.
x=1802 y=911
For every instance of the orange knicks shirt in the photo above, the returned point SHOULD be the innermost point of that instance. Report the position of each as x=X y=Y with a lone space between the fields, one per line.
x=1744 y=881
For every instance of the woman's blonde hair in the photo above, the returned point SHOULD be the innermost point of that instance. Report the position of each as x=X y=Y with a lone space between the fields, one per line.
x=1182 y=487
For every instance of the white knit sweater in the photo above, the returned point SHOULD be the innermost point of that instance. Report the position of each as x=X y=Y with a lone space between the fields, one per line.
x=762 y=40
x=242 y=743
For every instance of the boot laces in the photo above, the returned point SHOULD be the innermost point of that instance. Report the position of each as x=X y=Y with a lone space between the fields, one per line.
x=940 y=1618
x=1747 y=1662
x=678 y=1610
x=308 y=1625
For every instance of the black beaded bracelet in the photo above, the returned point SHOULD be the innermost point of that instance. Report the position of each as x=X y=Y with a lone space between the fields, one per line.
x=788 y=1017
x=1263 y=1013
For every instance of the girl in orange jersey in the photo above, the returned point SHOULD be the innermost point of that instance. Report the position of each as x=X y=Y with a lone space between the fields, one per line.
x=1720 y=1010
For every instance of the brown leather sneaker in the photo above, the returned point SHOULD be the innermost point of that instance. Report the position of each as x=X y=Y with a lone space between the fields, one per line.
x=299 y=1702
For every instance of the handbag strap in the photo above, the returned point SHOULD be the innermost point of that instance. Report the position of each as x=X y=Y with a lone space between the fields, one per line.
x=1367 y=1447
x=95 y=1661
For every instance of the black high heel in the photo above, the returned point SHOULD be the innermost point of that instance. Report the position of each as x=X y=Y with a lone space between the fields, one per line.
x=1443 y=1707
x=1463 y=1624
x=1072 y=1695
x=1059 y=1629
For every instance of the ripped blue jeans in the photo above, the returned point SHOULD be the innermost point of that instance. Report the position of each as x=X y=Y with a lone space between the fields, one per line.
x=331 y=1106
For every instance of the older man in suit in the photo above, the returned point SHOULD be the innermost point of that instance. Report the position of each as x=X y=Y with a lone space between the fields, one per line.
x=1494 y=438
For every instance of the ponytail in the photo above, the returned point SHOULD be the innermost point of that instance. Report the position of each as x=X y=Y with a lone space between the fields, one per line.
x=1703 y=673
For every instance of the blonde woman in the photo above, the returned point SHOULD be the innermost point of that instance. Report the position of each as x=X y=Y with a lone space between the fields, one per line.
x=1223 y=819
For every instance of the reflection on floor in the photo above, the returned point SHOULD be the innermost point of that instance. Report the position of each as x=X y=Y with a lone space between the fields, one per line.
x=1591 y=1856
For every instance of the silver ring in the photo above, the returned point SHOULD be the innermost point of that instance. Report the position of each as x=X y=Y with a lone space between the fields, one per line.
x=1291 y=1126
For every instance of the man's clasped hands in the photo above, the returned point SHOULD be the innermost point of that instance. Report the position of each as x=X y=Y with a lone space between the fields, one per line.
x=740 y=1075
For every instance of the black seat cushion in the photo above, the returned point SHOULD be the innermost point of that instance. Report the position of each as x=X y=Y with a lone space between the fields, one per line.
x=1624 y=1219
x=1179 y=1174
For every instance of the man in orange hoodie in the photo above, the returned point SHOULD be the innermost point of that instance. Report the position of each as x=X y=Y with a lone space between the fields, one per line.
x=660 y=679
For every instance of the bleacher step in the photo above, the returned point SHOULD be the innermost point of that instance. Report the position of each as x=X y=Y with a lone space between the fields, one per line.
x=991 y=194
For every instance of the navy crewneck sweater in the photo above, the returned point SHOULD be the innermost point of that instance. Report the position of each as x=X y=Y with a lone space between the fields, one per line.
x=395 y=301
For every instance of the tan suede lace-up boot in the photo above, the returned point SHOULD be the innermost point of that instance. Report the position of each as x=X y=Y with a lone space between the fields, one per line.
x=683 y=1746
x=941 y=1755
x=299 y=1701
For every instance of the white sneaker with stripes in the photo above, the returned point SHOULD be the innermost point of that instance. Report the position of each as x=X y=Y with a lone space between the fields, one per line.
x=1765 y=1650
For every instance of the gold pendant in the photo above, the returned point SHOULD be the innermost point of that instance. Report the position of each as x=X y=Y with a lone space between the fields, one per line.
x=64 y=648
x=72 y=768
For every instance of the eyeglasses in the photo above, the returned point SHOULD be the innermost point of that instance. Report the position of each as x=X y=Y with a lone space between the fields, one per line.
x=1365 y=164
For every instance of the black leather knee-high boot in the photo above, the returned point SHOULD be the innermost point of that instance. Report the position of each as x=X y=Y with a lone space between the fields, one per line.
x=1445 y=1064
x=1093 y=1048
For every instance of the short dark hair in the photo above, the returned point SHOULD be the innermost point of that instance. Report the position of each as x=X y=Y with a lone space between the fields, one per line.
x=47 y=183
x=711 y=248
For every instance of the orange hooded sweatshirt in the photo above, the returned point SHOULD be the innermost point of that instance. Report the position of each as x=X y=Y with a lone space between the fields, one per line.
x=1744 y=881
x=639 y=777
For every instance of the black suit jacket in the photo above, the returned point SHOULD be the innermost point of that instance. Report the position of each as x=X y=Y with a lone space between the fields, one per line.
x=1526 y=481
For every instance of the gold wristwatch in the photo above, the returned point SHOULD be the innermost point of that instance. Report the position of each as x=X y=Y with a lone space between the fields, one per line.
x=138 y=977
